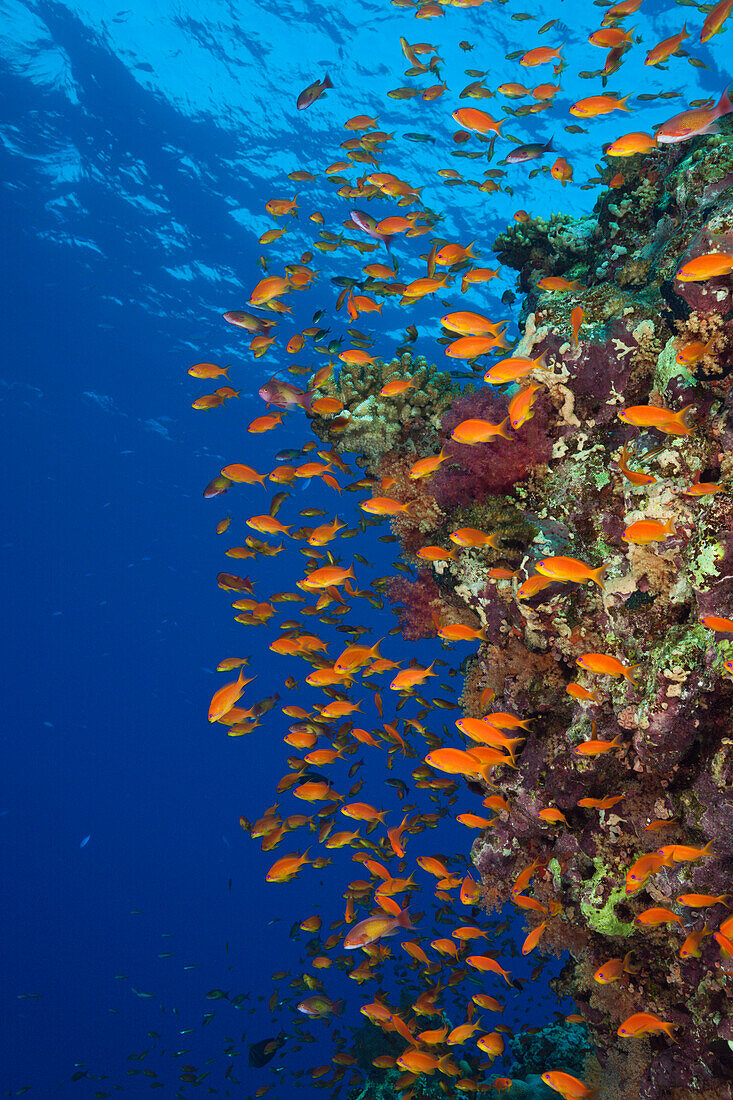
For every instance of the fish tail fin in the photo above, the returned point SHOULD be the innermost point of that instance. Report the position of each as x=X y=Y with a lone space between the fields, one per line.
x=629 y=674
x=630 y=967
x=502 y=429
x=596 y=575
x=724 y=104
x=403 y=918
x=327 y=81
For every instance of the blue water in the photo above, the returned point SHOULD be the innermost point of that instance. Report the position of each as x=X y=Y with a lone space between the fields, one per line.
x=138 y=147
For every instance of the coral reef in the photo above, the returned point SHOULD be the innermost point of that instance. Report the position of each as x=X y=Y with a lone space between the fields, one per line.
x=376 y=424
x=562 y=1046
x=569 y=482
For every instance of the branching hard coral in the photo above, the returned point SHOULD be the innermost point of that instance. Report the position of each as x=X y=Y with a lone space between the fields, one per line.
x=375 y=423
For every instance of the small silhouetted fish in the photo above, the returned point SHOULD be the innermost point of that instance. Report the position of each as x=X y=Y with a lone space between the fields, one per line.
x=420 y=137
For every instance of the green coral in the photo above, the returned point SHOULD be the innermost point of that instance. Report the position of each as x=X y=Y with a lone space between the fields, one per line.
x=600 y=914
x=667 y=369
x=376 y=424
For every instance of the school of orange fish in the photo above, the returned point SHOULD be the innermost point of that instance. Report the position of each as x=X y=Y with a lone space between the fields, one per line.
x=324 y=731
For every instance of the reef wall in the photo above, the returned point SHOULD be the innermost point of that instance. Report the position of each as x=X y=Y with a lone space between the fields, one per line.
x=556 y=487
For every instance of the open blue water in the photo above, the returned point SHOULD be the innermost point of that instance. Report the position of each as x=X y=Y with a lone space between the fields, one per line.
x=138 y=147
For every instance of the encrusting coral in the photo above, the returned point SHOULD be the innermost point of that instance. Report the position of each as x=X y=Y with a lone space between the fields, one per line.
x=569 y=482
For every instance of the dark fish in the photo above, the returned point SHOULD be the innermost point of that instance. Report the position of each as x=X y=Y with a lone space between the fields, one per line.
x=313 y=92
x=256 y=325
x=528 y=152
x=215 y=488
x=420 y=137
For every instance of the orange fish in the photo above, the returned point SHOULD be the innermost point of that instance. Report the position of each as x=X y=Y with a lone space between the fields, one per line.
x=470 y=324
x=511 y=370
x=242 y=474
x=569 y=1087
x=267 y=525
x=324 y=534
x=569 y=569
x=454 y=761
x=595 y=105
x=559 y=282
x=701 y=901
x=576 y=320
x=664 y=50
x=692 y=947
x=643 y=868
x=532 y=586
x=395 y=388
x=225 y=698
x=684 y=853
x=715 y=18
x=649 y=416
x=540 y=56
x=612 y=970
x=469 y=536
x=552 y=816
x=634 y=476
x=492 y=1044
x=207 y=370
x=606 y=665
x=562 y=171
x=424 y=467
x=471 y=432
x=376 y=927
x=700 y=120
x=385 y=506
x=710 y=265
x=596 y=748
x=470 y=118
x=630 y=144
x=472 y=347
x=520 y=406
x=457 y=632
x=287 y=868
x=657 y=915
x=453 y=254
x=644 y=1023
x=578 y=692
x=265 y=423
x=716 y=622
x=645 y=531
x=328 y=576
x=362 y=811
x=486 y=965
x=208 y=401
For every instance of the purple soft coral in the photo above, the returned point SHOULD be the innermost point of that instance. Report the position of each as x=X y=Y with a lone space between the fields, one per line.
x=489 y=468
